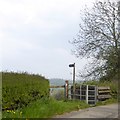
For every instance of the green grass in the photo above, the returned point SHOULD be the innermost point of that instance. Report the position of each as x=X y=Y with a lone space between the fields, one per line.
x=106 y=102
x=48 y=108
x=45 y=108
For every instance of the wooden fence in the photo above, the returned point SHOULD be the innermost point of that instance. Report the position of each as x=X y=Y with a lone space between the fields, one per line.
x=89 y=93
x=103 y=93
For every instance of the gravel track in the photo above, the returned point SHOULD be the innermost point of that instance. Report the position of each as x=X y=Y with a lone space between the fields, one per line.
x=106 y=111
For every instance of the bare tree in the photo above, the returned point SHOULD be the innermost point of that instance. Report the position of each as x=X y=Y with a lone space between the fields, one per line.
x=99 y=39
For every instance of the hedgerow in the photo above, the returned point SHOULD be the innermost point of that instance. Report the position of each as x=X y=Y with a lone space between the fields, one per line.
x=20 y=89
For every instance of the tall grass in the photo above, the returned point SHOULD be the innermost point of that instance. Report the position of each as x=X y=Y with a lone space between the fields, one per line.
x=108 y=101
x=45 y=108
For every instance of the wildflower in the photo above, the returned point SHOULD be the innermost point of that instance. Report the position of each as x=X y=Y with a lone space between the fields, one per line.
x=13 y=112
x=21 y=113
x=8 y=111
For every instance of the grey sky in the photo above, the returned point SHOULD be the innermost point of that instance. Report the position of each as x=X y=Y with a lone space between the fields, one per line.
x=34 y=35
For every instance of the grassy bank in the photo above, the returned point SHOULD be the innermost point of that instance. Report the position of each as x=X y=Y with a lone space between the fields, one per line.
x=45 y=108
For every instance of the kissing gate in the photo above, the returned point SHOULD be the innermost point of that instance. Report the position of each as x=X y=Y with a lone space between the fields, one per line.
x=87 y=93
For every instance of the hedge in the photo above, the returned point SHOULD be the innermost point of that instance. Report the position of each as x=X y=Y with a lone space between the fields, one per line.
x=20 y=89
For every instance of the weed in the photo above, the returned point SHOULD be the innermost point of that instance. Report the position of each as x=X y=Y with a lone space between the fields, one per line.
x=46 y=108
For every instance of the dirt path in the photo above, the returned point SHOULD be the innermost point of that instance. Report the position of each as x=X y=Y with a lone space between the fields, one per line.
x=107 y=111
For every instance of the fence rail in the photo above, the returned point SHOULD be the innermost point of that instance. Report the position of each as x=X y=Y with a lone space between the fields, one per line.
x=103 y=93
x=57 y=86
x=90 y=93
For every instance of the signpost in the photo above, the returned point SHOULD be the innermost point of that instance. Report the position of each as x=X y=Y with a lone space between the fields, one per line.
x=73 y=65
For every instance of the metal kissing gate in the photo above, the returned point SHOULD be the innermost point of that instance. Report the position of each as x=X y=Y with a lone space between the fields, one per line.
x=87 y=93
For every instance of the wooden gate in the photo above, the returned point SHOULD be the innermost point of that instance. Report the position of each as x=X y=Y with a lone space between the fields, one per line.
x=103 y=93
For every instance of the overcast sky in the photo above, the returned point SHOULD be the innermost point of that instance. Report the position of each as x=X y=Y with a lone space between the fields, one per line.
x=34 y=36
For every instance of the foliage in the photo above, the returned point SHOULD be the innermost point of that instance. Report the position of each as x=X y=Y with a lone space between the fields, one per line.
x=45 y=108
x=19 y=89
x=99 y=39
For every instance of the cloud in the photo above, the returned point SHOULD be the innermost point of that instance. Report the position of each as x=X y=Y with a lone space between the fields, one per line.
x=29 y=11
x=35 y=34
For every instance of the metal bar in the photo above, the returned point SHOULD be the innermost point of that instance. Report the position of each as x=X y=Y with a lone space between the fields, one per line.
x=57 y=86
x=87 y=94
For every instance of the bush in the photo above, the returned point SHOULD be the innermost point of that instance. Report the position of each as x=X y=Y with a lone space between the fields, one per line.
x=19 y=89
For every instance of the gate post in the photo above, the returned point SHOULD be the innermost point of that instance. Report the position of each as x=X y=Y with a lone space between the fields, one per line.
x=69 y=92
x=66 y=89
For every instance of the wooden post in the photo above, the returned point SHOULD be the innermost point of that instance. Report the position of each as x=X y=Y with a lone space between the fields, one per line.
x=69 y=92
x=66 y=89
